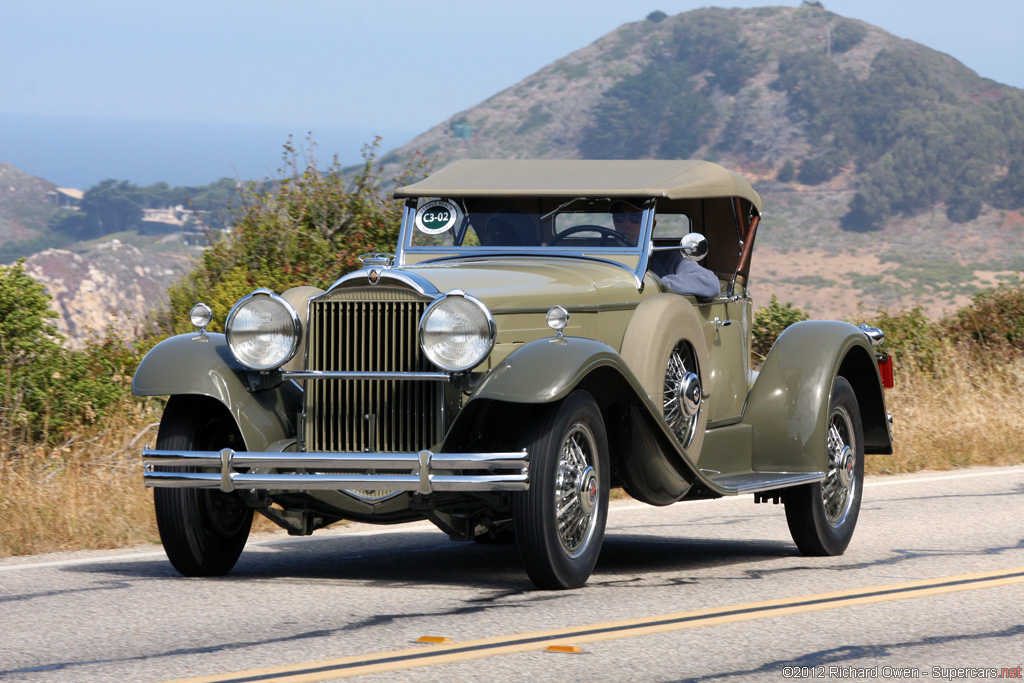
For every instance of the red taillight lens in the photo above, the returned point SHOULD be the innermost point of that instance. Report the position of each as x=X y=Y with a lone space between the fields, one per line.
x=885 y=368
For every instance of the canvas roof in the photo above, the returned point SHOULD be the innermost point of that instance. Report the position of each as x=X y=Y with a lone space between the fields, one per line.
x=678 y=179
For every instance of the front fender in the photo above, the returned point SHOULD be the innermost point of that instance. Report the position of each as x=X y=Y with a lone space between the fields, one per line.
x=546 y=370
x=182 y=365
x=654 y=467
x=788 y=405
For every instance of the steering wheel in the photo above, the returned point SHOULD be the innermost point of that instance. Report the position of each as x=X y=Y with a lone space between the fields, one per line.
x=603 y=231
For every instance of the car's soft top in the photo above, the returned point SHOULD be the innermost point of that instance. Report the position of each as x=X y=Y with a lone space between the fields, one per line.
x=677 y=179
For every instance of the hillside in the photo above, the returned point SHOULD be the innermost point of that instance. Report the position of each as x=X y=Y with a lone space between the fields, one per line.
x=893 y=174
x=24 y=207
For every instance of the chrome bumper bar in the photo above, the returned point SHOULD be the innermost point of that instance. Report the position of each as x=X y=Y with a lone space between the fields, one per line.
x=423 y=472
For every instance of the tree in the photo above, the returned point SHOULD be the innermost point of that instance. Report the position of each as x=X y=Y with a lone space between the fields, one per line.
x=30 y=351
x=305 y=227
x=110 y=207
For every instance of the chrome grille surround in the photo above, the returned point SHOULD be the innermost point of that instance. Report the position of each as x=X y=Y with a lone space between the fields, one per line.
x=369 y=330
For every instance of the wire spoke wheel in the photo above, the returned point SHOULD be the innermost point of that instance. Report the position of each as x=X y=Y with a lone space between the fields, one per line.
x=576 y=487
x=682 y=393
x=839 y=488
x=559 y=522
x=822 y=516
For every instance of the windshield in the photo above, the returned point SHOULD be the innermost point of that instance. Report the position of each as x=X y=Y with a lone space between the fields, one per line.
x=570 y=223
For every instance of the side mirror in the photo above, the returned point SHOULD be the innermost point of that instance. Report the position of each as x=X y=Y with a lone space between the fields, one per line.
x=694 y=246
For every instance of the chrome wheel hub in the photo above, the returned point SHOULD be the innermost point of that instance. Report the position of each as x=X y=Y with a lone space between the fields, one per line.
x=839 y=488
x=577 y=490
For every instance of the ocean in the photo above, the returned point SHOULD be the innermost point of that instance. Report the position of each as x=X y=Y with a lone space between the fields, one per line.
x=80 y=152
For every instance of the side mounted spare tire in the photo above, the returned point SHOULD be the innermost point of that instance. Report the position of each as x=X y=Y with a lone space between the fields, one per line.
x=663 y=342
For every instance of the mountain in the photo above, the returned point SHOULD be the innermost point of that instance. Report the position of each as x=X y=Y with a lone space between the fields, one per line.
x=107 y=283
x=892 y=174
x=24 y=204
x=115 y=280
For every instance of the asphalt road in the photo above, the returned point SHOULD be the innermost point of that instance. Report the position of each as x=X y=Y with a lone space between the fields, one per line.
x=932 y=585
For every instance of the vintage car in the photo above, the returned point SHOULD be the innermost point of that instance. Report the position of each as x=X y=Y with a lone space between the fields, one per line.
x=521 y=353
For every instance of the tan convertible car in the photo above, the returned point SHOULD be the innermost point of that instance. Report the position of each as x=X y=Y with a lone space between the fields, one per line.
x=544 y=331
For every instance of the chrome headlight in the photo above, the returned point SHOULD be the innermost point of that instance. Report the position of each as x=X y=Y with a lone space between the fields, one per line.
x=263 y=330
x=456 y=331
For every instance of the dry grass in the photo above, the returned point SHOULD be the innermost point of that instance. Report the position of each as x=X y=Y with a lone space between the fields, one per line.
x=88 y=492
x=972 y=415
x=85 y=493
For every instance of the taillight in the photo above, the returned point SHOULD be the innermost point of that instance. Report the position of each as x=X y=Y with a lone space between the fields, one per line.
x=885 y=368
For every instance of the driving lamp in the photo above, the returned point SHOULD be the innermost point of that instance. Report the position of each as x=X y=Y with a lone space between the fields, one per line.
x=557 y=318
x=200 y=316
x=263 y=330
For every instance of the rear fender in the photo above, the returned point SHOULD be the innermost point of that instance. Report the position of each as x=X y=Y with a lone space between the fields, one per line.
x=182 y=365
x=787 y=408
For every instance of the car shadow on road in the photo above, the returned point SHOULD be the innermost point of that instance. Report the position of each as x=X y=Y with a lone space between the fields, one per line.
x=416 y=559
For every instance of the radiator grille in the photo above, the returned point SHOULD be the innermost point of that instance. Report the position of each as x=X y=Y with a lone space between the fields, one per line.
x=369 y=415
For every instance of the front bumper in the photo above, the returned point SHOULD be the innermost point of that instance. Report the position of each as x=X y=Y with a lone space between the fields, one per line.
x=422 y=472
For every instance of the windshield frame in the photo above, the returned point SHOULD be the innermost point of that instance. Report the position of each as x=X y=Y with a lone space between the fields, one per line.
x=634 y=259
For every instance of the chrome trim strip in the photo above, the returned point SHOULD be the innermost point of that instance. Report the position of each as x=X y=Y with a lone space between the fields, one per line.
x=581 y=308
x=360 y=277
x=410 y=471
x=332 y=374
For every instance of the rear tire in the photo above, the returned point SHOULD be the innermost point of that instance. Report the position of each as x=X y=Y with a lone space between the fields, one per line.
x=822 y=516
x=560 y=520
x=203 y=531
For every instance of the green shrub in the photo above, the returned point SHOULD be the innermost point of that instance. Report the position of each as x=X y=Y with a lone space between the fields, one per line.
x=307 y=227
x=914 y=341
x=846 y=35
x=787 y=172
x=45 y=389
x=994 y=320
x=769 y=323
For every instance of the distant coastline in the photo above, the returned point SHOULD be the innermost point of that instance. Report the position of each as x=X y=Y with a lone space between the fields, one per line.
x=80 y=152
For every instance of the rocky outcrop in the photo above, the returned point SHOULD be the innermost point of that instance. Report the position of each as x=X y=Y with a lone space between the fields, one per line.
x=111 y=284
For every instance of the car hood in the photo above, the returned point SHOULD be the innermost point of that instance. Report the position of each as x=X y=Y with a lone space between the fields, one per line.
x=510 y=284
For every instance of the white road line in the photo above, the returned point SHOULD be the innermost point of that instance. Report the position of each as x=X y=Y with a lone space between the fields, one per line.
x=426 y=527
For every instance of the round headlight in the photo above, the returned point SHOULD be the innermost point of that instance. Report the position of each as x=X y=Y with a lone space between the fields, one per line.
x=263 y=331
x=456 y=332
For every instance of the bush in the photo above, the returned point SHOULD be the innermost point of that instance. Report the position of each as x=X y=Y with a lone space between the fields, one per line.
x=846 y=35
x=787 y=172
x=307 y=227
x=770 y=322
x=819 y=169
x=657 y=16
x=994 y=320
x=914 y=341
x=45 y=389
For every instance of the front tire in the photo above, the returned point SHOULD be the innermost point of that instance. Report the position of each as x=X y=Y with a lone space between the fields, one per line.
x=560 y=520
x=203 y=531
x=822 y=516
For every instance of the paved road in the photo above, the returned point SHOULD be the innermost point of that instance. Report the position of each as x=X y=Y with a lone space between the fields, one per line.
x=693 y=578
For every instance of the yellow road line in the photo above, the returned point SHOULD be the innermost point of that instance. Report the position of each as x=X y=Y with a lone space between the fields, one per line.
x=629 y=628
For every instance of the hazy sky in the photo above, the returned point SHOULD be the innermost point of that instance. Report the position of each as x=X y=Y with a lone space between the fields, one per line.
x=394 y=67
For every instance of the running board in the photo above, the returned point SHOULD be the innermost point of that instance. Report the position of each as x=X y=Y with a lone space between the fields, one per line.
x=753 y=482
